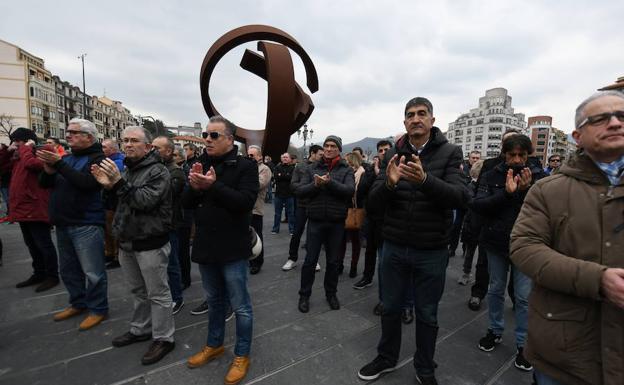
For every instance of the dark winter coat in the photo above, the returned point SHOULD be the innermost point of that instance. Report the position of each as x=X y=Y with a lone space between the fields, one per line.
x=223 y=212
x=327 y=203
x=282 y=176
x=421 y=215
x=177 y=181
x=143 y=216
x=472 y=221
x=295 y=182
x=76 y=198
x=28 y=202
x=498 y=208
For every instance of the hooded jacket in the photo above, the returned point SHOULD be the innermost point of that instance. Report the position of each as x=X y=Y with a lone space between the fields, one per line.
x=569 y=231
x=28 y=202
x=76 y=198
x=144 y=210
x=421 y=215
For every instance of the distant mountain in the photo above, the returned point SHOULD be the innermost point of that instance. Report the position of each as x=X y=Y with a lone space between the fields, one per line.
x=367 y=144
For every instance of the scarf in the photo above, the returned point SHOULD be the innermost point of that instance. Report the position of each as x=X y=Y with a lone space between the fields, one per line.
x=331 y=163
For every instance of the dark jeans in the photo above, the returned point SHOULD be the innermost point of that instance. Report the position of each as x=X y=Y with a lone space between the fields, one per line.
x=289 y=204
x=173 y=269
x=373 y=243
x=330 y=235
x=184 y=253
x=301 y=218
x=469 y=252
x=354 y=237
x=256 y=223
x=39 y=242
x=401 y=264
x=81 y=252
x=456 y=231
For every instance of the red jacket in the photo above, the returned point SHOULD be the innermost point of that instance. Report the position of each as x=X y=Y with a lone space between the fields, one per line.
x=27 y=201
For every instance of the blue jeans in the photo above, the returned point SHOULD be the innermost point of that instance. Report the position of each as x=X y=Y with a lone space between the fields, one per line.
x=174 y=274
x=280 y=203
x=5 y=197
x=81 y=257
x=498 y=267
x=543 y=379
x=401 y=266
x=221 y=280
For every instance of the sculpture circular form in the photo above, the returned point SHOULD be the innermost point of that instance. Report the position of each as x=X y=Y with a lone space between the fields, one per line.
x=288 y=106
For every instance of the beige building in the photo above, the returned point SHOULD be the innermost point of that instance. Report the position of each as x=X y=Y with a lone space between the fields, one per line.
x=547 y=139
x=27 y=93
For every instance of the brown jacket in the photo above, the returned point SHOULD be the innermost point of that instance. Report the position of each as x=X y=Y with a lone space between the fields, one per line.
x=264 y=177
x=570 y=229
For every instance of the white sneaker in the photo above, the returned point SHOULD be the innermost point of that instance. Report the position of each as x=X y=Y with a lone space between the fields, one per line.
x=289 y=265
x=318 y=267
x=464 y=279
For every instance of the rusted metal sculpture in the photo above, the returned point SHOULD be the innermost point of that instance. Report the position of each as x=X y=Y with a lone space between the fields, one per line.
x=288 y=106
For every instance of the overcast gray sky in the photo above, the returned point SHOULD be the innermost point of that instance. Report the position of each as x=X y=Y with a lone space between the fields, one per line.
x=371 y=56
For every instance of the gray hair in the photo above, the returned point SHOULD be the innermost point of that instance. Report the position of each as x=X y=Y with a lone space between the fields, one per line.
x=180 y=151
x=580 y=115
x=86 y=127
x=169 y=142
x=229 y=127
x=419 y=101
x=113 y=143
x=255 y=147
x=147 y=136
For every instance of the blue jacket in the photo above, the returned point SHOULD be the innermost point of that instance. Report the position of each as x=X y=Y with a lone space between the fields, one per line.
x=118 y=158
x=76 y=198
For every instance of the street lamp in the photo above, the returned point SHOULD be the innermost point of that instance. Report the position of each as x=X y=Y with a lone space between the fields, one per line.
x=84 y=91
x=156 y=133
x=306 y=134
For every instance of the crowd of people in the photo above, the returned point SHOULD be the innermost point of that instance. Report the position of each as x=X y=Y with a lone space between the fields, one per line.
x=550 y=237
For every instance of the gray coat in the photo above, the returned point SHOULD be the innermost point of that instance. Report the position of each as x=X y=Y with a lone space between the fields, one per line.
x=143 y=217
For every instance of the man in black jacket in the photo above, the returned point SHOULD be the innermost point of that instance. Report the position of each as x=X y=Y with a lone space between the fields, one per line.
x=284 y=197
x=419 y=186
x=329 y=185
x=223 y=193
x=301 y=218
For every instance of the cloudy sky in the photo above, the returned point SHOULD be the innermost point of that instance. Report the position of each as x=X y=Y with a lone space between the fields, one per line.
x=371 y=56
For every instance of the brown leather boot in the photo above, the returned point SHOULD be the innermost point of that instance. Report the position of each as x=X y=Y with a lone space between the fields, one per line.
x=238 y=370
x=68 y=313
x=91 y=321
x=206 y=355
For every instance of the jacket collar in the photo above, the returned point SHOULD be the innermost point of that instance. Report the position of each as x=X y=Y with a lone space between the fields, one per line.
x=582 y=167
x=436 y=139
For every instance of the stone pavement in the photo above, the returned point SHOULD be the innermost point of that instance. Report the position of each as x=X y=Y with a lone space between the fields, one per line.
x=321 y=347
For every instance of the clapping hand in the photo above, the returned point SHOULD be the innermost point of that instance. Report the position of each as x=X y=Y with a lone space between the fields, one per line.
x=106 y=173
x=199 y=181
x=520 y=182
x=411 y=170
x=321 y=180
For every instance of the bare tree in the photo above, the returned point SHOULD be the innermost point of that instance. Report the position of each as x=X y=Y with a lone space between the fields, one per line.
x=7 y=124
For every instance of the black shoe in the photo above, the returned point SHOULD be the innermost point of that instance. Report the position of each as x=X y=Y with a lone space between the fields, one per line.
x=408 y=316
x=332 y=300
x=33 y=280
x=426 y=380
x=254 y=270
x=363 y=283
x=304 y=304
x=489 y=342
x=156 y=352
x=353 y=272
x=378 y=309
x=521 y=362
x=201 y=309
x=129 y=338
x=177 y=306
x=376 y=368
x=113 y=264
x=47 y=284
x=474 y=303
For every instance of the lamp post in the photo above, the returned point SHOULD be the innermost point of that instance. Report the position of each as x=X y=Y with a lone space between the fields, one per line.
x=84 y=91
x=305 y=133
x=156 y=130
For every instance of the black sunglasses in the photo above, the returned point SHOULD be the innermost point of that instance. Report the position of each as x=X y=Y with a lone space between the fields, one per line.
x=214 y=135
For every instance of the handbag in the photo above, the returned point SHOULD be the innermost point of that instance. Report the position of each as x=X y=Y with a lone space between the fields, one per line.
x=355 y=217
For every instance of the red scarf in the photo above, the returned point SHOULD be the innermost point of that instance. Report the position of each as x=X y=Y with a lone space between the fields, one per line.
x=331 y=163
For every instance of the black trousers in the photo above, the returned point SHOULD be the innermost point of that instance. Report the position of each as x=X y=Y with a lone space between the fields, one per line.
x=330 y=235
x=300 y=222
x=373 y=243
x=456 y=231
x=184 y=254
x=256 y=223
x=39 y=242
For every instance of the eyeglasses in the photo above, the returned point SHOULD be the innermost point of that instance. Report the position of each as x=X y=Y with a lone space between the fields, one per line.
x=214 y=135
x=556 y=160
x=73 y=132
x=600 y=119
x=131 y=140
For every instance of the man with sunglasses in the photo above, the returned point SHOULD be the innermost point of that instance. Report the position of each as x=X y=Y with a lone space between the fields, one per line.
x=569 y=240
x=223 y=191
x=554 y=162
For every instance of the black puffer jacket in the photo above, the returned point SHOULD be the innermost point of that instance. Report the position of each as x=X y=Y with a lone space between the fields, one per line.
x=297 y=176
x=421 y=215
x=283 y=175
x=327 y=203
x=223 y=212
x=498 y=208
